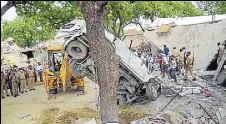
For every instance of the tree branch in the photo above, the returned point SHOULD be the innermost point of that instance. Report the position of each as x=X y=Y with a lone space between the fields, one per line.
x=140 y=26
x=102 y=4
x=10 y=4
x=6 y=7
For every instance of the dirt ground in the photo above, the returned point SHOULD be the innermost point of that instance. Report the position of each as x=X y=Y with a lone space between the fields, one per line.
x=44 y=111
x=34 y=102
x=70 y=105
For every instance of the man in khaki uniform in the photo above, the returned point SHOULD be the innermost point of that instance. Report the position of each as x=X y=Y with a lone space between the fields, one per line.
x=14 y=84
x=181 y=62
x=26 y=71
x=189 y=66
x=176 y=53
x=3 y=84
x=22 y=81
x=221 y=49
x=31 y=78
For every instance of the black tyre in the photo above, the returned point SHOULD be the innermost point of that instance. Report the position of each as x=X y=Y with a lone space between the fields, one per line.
x=122 y=100
x=77 y=50
x=152 y=92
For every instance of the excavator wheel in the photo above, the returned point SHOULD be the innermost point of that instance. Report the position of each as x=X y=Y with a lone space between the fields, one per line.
x=75 y=69
x=152 y=92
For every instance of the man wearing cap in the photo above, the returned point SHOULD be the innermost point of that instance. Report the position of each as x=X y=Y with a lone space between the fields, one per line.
x=22 y=81
x=189 y=66
x=31 y=78
x=14 y=84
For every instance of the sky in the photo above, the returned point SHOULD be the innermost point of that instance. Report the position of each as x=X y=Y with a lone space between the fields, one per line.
x=10 y=14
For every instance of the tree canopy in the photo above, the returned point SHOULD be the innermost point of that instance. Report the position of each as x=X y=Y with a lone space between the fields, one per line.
x=124 y=12
x=26 y=31
x=212 y=7
x=51 y=15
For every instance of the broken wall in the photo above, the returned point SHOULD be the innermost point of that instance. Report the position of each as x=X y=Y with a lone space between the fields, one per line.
x=137 y=40
x=201 y=39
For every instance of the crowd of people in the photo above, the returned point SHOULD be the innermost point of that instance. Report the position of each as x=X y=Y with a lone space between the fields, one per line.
x=21 y=79
x=180 y=62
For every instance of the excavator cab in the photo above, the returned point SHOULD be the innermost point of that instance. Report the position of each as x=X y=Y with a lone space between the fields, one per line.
x=57 y=73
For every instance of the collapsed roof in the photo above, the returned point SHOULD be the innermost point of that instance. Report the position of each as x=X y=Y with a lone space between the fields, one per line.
x=201 y=39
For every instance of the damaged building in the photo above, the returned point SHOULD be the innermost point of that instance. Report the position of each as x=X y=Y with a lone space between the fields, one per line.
x=200 y=37
x=11 y=54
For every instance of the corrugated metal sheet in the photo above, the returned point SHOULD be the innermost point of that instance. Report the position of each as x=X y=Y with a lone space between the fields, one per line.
x=164 y=28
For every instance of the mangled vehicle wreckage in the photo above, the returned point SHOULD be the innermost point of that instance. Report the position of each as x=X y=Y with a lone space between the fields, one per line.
x=136 y=84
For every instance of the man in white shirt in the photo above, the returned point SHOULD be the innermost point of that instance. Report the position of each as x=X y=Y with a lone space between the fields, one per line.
x=172 y=68
x=165 y=64
x=39 y=68
x=150 y=63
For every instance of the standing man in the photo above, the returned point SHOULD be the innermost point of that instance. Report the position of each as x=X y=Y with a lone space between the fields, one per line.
x=166 y=51
x=22 y=81
x=185 y=55
x=189 y=66
x=40 y=69
x=165 y=65
x=181 y=62
x=143 y=57
x=16 y=71
x=26 y=70
x=14 y=84
x=9 y=80
x=172 y=68
x=3 y=84
x=31 y=78
x=221 y=49
x=35 y=73
x=150 y=63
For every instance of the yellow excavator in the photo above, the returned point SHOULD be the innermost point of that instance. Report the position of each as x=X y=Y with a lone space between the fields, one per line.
x=57 y=74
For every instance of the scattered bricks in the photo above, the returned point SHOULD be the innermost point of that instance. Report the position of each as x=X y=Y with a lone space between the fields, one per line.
x=196 y=91
x=197 y=113
x=187 y=91
x=221 y=114
x=223 y=121
x=191 y=90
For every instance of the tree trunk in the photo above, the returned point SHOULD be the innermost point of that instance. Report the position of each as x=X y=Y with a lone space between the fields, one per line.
x=107 y=63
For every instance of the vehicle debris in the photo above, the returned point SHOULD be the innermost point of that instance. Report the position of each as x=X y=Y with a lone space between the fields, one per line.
x=23 y=116
x=150 y=120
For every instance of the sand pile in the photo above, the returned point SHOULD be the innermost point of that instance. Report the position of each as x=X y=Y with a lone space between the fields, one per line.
x=201 y=39
x=82 y=115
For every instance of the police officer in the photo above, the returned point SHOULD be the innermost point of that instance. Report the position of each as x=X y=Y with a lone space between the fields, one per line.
x=3 y=84
x=189 y=66
x=9 y=81
x=14 y=83
x=22 y=81
x=31 y=78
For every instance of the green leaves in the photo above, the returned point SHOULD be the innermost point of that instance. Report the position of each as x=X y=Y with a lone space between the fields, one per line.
x=26 y=32
x=51 y=15
x=221 y=8
x=123 y=13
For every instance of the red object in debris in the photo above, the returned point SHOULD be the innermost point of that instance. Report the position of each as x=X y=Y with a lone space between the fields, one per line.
x=206 y=93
